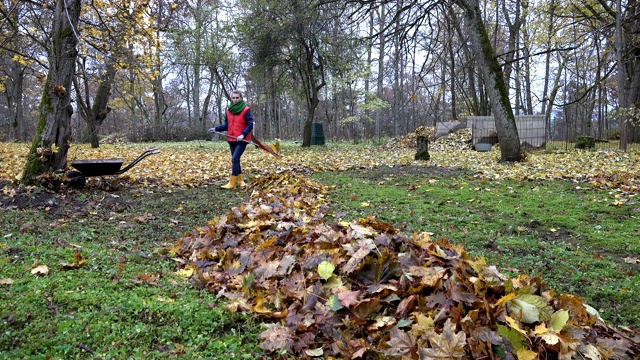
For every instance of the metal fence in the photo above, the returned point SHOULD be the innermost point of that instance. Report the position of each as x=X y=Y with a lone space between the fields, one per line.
x=533 y=134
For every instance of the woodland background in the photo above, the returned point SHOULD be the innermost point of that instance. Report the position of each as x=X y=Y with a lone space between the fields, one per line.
x=162 y=70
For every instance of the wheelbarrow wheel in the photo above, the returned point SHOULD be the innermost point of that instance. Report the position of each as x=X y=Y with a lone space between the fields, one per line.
x=75 y=180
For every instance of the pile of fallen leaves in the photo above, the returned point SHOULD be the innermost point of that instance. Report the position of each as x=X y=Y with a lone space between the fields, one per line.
x=362 y=290
x=116 y=138
x=457 y=140
x=409 y=141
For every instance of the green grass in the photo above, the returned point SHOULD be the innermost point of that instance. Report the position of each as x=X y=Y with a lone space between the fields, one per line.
x=127 y=301
x=568 y=235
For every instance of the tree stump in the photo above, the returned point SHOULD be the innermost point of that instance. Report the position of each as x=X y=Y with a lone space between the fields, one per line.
x=423 y=148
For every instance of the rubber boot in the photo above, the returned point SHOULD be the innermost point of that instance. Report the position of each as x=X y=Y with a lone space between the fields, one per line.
x=241 y=181
x=232 y=183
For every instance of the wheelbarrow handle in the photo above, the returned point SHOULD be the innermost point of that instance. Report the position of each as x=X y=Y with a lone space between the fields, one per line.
x=138 y=159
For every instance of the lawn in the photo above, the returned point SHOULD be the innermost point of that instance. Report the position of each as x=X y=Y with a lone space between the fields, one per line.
x=90 y=273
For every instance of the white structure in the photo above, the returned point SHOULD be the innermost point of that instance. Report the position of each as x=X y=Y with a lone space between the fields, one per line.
x=531 y=130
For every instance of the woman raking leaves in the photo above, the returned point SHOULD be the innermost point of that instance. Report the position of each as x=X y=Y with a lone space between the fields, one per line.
x=238 y=125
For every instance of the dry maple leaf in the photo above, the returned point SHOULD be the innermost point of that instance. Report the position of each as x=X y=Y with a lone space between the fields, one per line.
x=402 y=344
x=40 y=270
x=349 y=298
x=276 y=338
x=447 y=345
x=357 y=254
x=146 y=279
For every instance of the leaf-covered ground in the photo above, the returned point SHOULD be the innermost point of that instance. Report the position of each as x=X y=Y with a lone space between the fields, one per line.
x=202 y=163
x=363 y=290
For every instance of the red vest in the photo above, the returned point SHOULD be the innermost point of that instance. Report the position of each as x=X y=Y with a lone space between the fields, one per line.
x=236 y=124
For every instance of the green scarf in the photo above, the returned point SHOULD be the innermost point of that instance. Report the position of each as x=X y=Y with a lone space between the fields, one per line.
x=237 y=107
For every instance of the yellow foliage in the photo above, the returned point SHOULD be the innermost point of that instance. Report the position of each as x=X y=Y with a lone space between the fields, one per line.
x=197 y=164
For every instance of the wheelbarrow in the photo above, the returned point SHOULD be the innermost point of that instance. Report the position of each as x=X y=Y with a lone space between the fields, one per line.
x=101 y=167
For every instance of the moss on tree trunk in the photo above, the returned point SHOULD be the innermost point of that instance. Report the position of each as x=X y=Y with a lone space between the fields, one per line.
x=493 y=77
x=423 y=148
x=48 y=152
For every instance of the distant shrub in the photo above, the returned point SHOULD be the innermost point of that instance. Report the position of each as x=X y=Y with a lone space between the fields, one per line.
x=612 y=134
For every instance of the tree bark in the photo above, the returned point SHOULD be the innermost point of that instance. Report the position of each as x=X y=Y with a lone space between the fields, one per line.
x=312 y=75
x=157 y=85
x=95 y=114
x=15 y=82
x=382 y=18
x=50 y=145
x=15 y=101
x=494 y=82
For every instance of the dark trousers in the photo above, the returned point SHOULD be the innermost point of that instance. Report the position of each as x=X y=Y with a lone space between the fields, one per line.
x=237 y=149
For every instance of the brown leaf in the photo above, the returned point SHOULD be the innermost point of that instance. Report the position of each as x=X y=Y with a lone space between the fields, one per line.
x=366 y=308
x=348 y=298
x=402 y=344
x=447 y=345
x=427 y=276
x=398 y=282
x=276 y=338
x=267 y=270
x=405 y=306
x=40 y=270
x=146 y=279
x=78 y=262
x=360 y=251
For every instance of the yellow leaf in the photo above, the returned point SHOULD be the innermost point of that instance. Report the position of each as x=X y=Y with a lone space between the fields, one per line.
x=525 y=354
x=550 y=338
x=541 y=329
x=185 y=273
x=325 y=269
x=6 y=281
x=422 y=324
x=333 y=282
x=314 y=352
x=40 y=270
x=73 y=265
x=506 y=298
x=514 y=325
x=559 y=320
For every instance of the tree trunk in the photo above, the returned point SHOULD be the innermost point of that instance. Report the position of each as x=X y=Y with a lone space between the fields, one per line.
x=452 y=73
x=310 y=70
x=95 y=114
x=197 y=75
x=15 y=81
x=474 y=102
x=100 y=110
x=367 y=79
x=554 y=92
x=494 y=83
x=547 y=63
x=513 y=41
x=15 y=103
x=623 y=82
x=158 y=89
x=381 y=55
x=50 y=145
